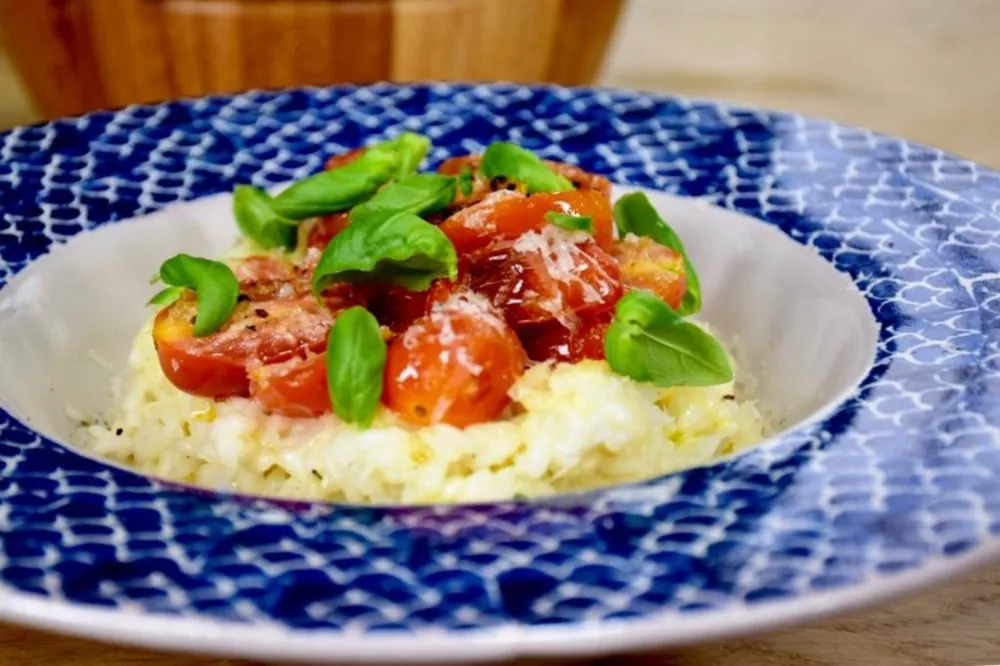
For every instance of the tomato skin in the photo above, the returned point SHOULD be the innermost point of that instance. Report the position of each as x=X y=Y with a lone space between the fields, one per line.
x=454 y=166
x=593 y=204
x=582 y=180
x=398 y=307
x=325 y=229
x=260 y=268
x=295 y=388
x=474 y=227
x=645 y=264
x=454 y=366
x=442 y=289
x=343 y=159
x=555 y=342
x=207 y=375
x=507 y=214
x=528 y=283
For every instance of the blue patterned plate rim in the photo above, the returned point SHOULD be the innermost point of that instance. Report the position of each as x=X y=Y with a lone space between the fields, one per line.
x=883 y=494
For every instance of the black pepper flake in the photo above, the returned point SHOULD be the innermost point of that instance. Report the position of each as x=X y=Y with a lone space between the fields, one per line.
x=119 y=432
x=261 y=312
x=242 y=298
x=251 y=327
x=729 y=396
x=192 y=320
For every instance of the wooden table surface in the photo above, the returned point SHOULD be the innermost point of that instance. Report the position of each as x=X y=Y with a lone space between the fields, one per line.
x=953 y=624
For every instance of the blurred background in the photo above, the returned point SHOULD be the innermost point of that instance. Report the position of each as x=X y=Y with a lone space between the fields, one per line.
x=923 y=69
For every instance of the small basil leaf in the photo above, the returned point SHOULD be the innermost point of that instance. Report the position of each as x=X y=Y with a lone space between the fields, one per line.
x=506 y=160
x=466 y=181
x=634 y=214
x=411 y=149
x=214 y=283
x=418 y=194
x=165 y=297
x=355 y=365
x=338 y=189
x=649 y=342
x=390 y=247
x=257 y=220
x=571 y=222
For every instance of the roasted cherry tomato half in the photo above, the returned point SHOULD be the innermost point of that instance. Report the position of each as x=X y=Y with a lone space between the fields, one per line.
x=215 y=366
x=263 y=267
x=556 y=342
x=274 y=321
x=510 y=214
x=645 y=264
x=325 y=228
x=546 y=276
x=295 y=388
x=454 y=366
x=397 y=307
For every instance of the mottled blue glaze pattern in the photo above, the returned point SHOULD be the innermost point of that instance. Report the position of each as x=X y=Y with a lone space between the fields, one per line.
x=905 y=472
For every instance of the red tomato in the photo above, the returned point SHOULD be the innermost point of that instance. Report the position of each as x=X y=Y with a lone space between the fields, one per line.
x=215 y=366
x=481 y=187
x=262 y=267
x=506 y=214
x=190 y=367
x=325 y=228
x=582 y=180
x=295 y=388
x=454 y=366
x=397 y=307
x=645 y=264
x=453 y=166
x=443 y=289
x=344 y=159
x=555 y=342
x=336 y=297
x=544 y=276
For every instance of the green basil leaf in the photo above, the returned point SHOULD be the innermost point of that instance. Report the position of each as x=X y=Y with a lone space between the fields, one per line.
x=466 y=181
x=257 y=220
x=338 y=189
x=411 y=149
x=355 y=365
x=214 y=283
x=418 y=194
x=506 y=160
x=395 y=247
x=634 y=214
x=649 y=342
x=571 y=222
x=166 y=297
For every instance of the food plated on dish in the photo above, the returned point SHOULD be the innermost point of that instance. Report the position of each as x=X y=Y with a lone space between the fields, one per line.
x=849 y=275
x=495 y=329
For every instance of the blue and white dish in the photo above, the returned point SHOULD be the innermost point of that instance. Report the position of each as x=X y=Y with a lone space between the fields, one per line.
x=862 y=297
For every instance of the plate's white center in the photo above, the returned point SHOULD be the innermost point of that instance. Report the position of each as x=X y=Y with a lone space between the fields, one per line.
x=803 y=334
